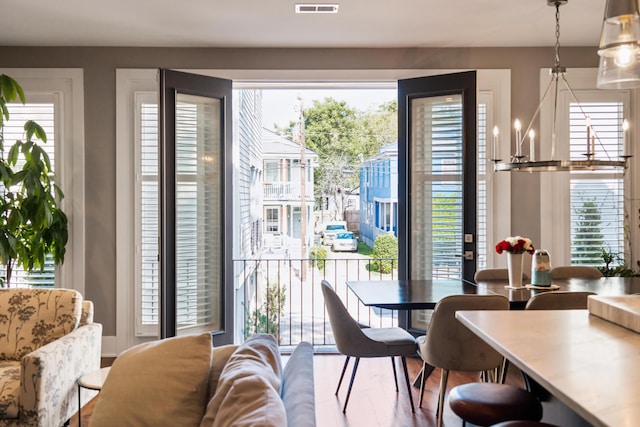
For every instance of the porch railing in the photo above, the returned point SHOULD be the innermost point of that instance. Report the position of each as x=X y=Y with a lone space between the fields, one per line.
x=284 y=297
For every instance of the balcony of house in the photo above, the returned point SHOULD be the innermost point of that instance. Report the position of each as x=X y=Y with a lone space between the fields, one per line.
x=286 y=191
x=284 y=297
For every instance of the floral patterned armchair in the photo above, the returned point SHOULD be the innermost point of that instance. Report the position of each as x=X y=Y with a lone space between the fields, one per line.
x=47 y=341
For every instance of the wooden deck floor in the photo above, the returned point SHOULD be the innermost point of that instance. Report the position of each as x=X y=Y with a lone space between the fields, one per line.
x=374 y=401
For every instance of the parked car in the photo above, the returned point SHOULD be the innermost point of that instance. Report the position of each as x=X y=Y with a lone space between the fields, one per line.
x=330 y=231
x=345 y=242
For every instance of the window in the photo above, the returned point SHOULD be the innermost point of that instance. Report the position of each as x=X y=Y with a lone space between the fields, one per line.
x=596 y=199
x=146 y=226
x=272 y=220
x=44 y=114
x=583 y=212
x=55 y=100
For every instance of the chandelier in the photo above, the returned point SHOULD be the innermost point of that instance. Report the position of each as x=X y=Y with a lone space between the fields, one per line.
x=520 y=162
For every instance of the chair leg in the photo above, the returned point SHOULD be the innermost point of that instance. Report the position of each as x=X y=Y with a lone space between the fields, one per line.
x=505 y=369
x=444 y=377
x=395 y=374
x=344 y=369
x=353 y=376
x=406 y=379
x=422 y=382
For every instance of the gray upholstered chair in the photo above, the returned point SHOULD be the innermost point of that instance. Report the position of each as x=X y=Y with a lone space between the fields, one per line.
x=559 y=301
x=495 y=274
x=451 y=346
x=575 y=272
x=354 y=340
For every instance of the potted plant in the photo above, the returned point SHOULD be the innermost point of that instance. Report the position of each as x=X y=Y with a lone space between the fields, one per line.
x=32 y=225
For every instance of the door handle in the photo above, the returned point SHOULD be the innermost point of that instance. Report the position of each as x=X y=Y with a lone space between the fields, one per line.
x=468 y=255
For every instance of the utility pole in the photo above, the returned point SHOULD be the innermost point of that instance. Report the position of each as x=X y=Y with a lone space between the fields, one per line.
x=303 y=196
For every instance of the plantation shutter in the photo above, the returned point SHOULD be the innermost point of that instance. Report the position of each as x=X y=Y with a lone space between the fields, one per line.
x=198 y=206
x=596 y=198
x=42 y=113
x=147 y=263
x=437 y=187
x=482 y=164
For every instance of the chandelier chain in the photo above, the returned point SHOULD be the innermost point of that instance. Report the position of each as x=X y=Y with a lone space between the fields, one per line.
x=557 y=61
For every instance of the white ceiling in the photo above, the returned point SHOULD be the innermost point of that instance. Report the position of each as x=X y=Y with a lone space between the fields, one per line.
x=272 y=23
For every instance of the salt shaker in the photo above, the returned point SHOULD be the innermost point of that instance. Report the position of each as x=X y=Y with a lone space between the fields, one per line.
x=541 y=268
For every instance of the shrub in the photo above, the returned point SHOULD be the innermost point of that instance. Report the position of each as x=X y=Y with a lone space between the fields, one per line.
x=265 y=320
x=385 y=253
x=318 y=255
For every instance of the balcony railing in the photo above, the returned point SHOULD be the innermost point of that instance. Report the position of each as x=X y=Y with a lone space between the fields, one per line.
x=286 y=191
x=284 y=297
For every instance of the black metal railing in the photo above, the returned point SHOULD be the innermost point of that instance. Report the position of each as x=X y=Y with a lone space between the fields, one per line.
x=282 y=296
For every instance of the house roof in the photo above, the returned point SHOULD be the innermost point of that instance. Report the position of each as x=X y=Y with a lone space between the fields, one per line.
x=274 y=145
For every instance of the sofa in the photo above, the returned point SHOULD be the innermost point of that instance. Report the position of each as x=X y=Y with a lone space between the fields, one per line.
x=184 y=381
x=47 y=341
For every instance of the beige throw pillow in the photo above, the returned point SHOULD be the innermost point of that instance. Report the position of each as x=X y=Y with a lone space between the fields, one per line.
x=160 y=383
x=251 y=402
x=257 y=360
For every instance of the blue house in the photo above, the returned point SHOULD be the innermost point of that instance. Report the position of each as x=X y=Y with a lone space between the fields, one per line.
x=379 y=194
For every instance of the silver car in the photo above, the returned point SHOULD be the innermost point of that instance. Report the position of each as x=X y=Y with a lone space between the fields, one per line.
x=345 y=241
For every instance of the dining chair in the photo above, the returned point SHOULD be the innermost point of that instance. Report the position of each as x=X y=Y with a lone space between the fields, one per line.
x=495 y=274
x=451 y=346
x=353 y=340
x=575 y=272
x=559 y=300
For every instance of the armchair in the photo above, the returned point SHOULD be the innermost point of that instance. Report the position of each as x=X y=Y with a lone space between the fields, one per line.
x=47 y=341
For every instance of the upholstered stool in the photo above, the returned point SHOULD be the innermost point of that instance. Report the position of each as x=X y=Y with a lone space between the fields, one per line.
x=486 y=404
x=523 y=423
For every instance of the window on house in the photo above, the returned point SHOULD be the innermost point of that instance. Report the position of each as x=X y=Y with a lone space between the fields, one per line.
x=272 y=220
x=584 y=211
x=146 y=160
x=596 y=199
x=44 y=114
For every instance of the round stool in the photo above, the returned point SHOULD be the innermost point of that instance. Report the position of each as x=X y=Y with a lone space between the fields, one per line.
x=523 y=423
x=486 y=404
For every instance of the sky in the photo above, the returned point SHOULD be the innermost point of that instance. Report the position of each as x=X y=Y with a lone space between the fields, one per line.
x=281 y=106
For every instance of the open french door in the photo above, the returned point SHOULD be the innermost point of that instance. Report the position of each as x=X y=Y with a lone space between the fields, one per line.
x=195 y=219
x=437 y=180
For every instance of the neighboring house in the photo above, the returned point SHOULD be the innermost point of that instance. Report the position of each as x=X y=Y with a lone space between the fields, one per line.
x=379 y=194
x=248 y=197
x=282 y=193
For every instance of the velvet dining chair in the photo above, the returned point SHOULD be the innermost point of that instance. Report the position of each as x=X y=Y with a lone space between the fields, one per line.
x=354 y=340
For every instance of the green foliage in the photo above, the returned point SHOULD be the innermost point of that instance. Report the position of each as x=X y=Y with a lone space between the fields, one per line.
x=621 y=270
x=318 y=255
x=588 y=234
x=266 y=319
x=385 y=253
x=32 y=225
x=340 y=134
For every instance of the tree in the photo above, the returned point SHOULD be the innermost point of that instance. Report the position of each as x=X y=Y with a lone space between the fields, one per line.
x=588 y=238
x=32 y=225
x=341 y=136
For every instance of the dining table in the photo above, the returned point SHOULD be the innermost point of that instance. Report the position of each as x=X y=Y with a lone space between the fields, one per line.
x=588 y=364
x=416 y=294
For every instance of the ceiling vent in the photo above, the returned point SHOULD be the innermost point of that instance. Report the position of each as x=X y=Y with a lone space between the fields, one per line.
x=317 y=8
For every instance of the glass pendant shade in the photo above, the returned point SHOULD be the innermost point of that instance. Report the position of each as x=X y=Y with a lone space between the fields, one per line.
x=620 y=46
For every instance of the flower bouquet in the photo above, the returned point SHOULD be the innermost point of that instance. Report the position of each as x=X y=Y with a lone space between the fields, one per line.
x=515 y=247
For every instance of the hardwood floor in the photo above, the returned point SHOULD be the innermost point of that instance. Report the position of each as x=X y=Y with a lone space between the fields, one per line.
x=373 y=401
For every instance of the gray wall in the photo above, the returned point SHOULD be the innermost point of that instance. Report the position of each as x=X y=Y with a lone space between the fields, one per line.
x=99 y=66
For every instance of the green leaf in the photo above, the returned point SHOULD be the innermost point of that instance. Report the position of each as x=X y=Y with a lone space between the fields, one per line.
x=12 y=156
x=31 y=128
